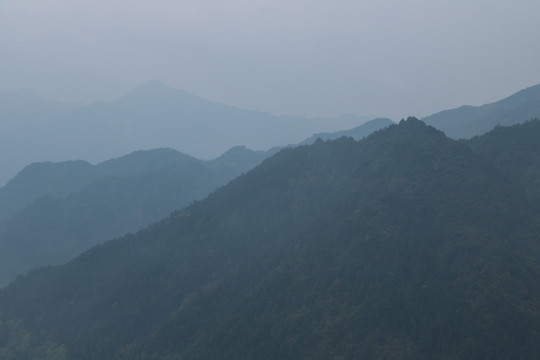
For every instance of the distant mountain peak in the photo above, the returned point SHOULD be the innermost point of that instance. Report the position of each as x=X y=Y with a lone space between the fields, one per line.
x=153 y=84
x=156 y=89
x=151 y=87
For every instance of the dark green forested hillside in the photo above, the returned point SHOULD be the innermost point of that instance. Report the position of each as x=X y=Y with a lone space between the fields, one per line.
x=68 y=207
x=515 y=149
x=405 y=245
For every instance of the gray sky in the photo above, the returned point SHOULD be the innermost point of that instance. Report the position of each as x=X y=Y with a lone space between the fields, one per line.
x=392 y=58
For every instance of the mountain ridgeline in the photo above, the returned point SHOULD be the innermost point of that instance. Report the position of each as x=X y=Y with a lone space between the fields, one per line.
x=359 y=132
x=469 y=121
x=150 y=116
x=51 y=212
x=404 y=245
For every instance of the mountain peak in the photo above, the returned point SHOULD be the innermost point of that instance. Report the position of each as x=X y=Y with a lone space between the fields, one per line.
x=412 y=121
x=414 y=124
x=153 y=84
x=156 y=89
x=151 y=87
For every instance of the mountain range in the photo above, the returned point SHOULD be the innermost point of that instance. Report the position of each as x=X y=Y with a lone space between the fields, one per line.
x=469 y=121
x=51 y=212
x=153 y=115
x=150 y=116
x=404 y=245
x=359 y=132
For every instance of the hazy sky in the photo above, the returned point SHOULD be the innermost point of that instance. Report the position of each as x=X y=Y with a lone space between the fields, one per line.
x=393 y=58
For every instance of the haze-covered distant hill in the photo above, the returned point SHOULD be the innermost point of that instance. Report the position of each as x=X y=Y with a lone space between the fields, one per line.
x=154 y=115
x=51 y=212
x=24 y=119
x=59 y=179
x=356 y=133
x=468 y=121
x=405 y=245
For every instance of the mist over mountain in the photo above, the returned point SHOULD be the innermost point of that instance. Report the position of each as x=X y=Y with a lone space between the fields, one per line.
x=155 y=115
x=24 y=119
x=356 y=133
x=152 y=115
x=405 y=245
x=51 y=212
x=468 y=121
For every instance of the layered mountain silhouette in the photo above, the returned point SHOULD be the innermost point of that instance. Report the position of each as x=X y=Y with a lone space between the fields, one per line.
x=152 y=115
x=469 y=121
x=24 y=119
x=404 y=245
x=359 y=132
x=51 y=212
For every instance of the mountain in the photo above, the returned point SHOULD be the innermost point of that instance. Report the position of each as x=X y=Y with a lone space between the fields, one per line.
x=469 y=121
x=43 y=179
x=59 y=179
x=404 y=245
x=514 y=148
x=51 y=212
x=154 y=115
x=24 y=118
x=356 y=133
x=57 y=210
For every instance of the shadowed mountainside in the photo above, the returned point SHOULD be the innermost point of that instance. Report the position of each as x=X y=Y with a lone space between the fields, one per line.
x=405 y=245
x=54 y=211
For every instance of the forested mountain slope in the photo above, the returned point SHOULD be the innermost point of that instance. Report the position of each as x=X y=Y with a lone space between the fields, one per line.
x=515 y=149
x=60 y=179
x=405 y=245
x=68 y=207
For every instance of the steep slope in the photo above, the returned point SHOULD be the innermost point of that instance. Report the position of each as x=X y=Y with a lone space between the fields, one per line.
x=406 y=245
x=76 y=205
x=469 y=121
